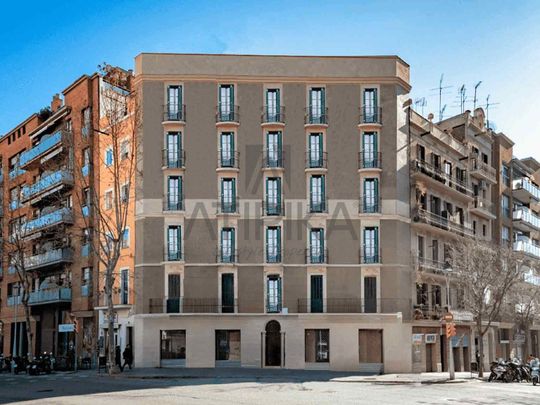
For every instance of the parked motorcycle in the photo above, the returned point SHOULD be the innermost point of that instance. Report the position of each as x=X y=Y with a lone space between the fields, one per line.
x=5 y=363
x=500 y=371
x=19 y=364
x=535 y=371
x=40 y=364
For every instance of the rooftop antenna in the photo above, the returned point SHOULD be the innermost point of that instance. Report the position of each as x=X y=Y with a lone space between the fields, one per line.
x=420 y=102
x=488 y=104
x=475 y=89
x=462 y=97
x=440 y=89
x=441 y=113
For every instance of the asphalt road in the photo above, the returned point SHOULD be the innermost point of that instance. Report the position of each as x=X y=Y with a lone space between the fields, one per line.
x=89 y=388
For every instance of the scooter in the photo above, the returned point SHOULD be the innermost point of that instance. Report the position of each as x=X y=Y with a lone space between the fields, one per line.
x=535 y=371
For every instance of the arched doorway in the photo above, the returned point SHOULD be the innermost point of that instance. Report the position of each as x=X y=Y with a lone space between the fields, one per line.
x=273 y=344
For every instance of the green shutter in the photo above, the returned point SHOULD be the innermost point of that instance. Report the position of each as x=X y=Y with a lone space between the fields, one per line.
x=179 y=238
x=181 y=192
x=278 y=103
x=375 y=100
x=231 y=90
x=280 y=146
x=233 y=242
x=267 y=193
x=279 y=293
x=321 y=236
x=180 y=102
x=279 y=193
x=320 y=136
x=310 y=99
x=279 y=243
x=375 y=145
x=233 y=188
x=323 y=101
x=311 y=179
x=376 y=244
x=323 y=192
x=267 y=103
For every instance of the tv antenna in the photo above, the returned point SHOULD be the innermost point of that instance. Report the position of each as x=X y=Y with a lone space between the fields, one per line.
x=420 y=102
x=475 y=89
x=462 y=97
x=441 y=113
x=440 y=89
x=487 y=106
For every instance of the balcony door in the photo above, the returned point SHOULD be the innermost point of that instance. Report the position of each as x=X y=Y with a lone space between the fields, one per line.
x=273 y=149
x=227 y=245
x=227 y=293
x=315 y=150
x=227 y=149
x=174 y=149
x=272 y=105
x=273 y=195
x=273 y=293
x=317 y=293
x=317 y=192
x=369 y=150
x=174 y=97
x=226 y=102
x=173 y=293
x=370 y=106
x=316 y=104
x=370 y=294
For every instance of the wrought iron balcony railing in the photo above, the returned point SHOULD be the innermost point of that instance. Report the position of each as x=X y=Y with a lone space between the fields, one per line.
x=370 y=115
x=174 y=159
x=273 y=115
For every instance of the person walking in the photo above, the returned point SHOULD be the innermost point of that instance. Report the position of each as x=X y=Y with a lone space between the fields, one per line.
x=128 y=357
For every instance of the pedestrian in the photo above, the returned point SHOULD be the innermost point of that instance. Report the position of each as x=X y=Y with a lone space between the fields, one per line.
x=128 y=357
x=117 y=357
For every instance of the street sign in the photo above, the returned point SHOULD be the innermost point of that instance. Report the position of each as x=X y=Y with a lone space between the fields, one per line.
x=417 y=338
x=66 y=327
x=448 y=317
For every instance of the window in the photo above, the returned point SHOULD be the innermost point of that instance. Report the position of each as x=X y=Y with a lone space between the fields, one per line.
x=317 y=194
x=422 y=295
x=174 y=103
x=273 y=111
x=315 y=156
x=317 y=345
x=87 y=121
x=108 y=157
x=506 y=175
x=436 y=297
x=273 y=196
x=227 y=293
x=124 y=193
x=505 y=205
x=370 y=294
x=273 y=149
x=124 y=150
x=175 y=200
x=273 y=244
x=420 y=243
x=228 y=195
x=228 y=250
x=484 y=230
x=173 y=293
x=228 y=345
x=273 y=293
x=14 y=201
x=174 y=150
x=226 y=150
x=369 y=158
x=174 y=243
x=370 y=202
x=317 y=105
x=370 y=111
x=124 y=286
x=173 y=348
x=108 y=199
x=86 y=283
x=316 y=246
x=316 y=291
x=226 y=102
x=435 y=250
x=85 y=168
x=505 y=234
x=371 y=245
x=125 y=239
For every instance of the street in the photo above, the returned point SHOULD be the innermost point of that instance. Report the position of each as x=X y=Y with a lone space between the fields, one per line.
x=87 y=387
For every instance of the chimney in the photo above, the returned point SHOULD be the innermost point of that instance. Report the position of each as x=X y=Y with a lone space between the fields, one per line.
x=56 y=103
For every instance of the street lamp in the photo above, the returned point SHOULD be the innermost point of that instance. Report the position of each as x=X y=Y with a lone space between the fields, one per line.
x=447 y=271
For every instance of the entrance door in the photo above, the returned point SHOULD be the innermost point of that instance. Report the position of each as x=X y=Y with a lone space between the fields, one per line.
x=273 y=344
x=429 y=358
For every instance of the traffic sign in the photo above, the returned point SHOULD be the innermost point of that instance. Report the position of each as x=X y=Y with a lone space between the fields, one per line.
x=66 y=327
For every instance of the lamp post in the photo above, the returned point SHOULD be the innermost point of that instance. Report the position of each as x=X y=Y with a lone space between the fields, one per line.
x=447 y=271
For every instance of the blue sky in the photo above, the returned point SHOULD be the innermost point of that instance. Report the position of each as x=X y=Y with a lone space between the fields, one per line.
x=46 y=45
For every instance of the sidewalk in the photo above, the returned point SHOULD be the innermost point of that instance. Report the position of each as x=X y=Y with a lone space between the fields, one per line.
x=257 y=374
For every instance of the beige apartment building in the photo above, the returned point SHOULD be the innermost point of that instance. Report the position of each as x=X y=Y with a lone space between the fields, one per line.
x=295 y=212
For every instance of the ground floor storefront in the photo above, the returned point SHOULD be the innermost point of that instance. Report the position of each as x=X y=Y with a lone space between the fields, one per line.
x=367 y=342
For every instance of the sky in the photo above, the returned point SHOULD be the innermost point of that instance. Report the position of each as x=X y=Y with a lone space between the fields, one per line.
x=46 y=45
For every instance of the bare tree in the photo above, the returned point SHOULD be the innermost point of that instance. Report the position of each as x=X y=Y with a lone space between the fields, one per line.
x=486 y=274
x=114 y=162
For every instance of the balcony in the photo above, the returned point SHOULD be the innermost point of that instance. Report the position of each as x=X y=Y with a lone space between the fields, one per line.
x=427 y=312
x=370 y=116
x=46 y=145
x=525 y=220
x=483 y=171
x=483 y=208
x=174 y=202
x=174 y=255
x=227 y=114
x=524 y=190
x=273 y=257
x=43 y=222
x=316 y=116
x=226 y=255
x=228 y=160
x=228 y=206
x=273 y=115
x=174 y=112
x=49 y=258
x=369 y=205
x=180 y=305
x=50 y=296
x=316 y=160
x=436 y=177
x=272 y=160
x=444 y=223
x=369 y=161
x=273 y=208
x=174 y=159
x=316 y=256
x=15 y=204
x=355 y=306
x=318 y=206
x=433 y=265
x=526 y=246
x=48 y=184
x=16 y=172
x=367 y=257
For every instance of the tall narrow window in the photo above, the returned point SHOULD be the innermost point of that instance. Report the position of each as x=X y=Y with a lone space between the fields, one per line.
x=227 y=293
x=174 y=156
x=226 y=102
x=173 y=293
x=315 y=151
x=175 y=201
x=371 y=245
x=228 y=195
x=273 y=149
x=273 y=244
x=371 y=196
x=370 y=294
x=370 y=106
x=273 y=293
x=124 y=287
x=273 y=196
x=317 y=105
x=228 y=250
x=226 y=150
x=316 y=246
x=317 y=194
x=87 y=122
x=273 y=113
x=174 y=243
x=421 y=253
x=316 y=293
x=370 y=153
x=109 y=157
x=174 y=103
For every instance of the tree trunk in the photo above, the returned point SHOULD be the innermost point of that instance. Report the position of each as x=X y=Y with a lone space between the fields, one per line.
x=480 y=347
x=111 y=355
x=27 y=317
